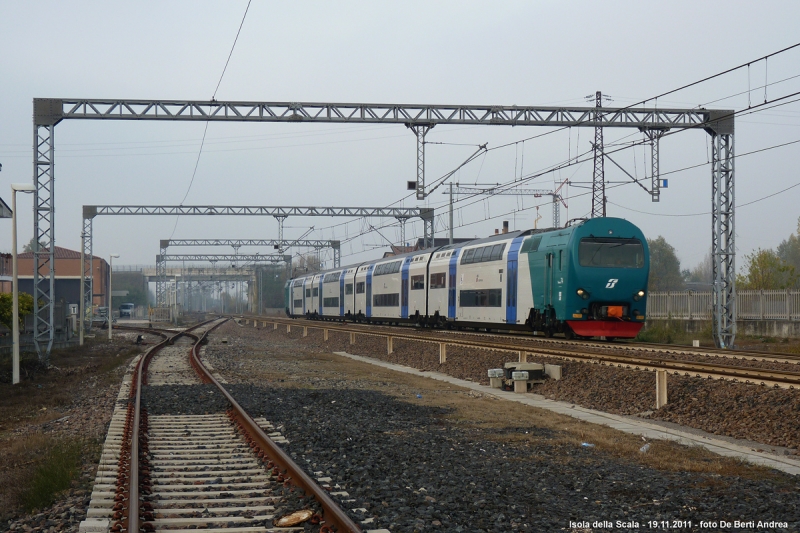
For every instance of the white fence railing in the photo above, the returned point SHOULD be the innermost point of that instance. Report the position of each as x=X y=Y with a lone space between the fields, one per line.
x=750 y=305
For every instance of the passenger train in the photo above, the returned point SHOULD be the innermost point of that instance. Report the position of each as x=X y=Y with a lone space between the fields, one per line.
x=587 y=279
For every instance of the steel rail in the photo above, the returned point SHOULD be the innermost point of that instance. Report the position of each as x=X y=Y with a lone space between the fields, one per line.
x=777 y=357
x=130 y=514
x=779 y=378
x=331 y=511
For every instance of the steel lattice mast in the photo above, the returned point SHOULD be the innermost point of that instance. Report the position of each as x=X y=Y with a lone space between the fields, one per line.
x=598 y=175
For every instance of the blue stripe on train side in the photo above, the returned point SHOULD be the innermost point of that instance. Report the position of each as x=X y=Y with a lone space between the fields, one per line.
x=512 y=282
x=451 y=285
x=341 y=292
x=369 y=290
x=404 y=288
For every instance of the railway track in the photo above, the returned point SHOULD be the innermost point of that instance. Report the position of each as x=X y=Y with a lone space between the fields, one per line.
x=202 y=472
x=602 y=353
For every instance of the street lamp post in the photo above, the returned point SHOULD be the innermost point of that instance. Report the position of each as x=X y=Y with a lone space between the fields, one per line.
x=24 y=187
x=110 y=310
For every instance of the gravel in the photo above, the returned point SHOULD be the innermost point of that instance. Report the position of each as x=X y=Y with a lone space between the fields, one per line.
x=416 y=469
x=183 y=400
x=757 y=413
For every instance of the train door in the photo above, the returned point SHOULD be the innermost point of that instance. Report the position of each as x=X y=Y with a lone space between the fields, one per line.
x=548 y=280
x=404 y=288
x=451 y=286
x=369 y=290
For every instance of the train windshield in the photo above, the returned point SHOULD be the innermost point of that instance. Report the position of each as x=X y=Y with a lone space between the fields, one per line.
x=609 y=252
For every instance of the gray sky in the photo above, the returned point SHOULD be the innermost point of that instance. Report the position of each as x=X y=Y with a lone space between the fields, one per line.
x=505 y=53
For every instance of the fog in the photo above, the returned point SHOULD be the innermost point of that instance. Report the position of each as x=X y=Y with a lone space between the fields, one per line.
x=523 y=53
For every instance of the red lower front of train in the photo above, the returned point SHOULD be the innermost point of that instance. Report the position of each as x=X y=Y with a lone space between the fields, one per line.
x=605 y=328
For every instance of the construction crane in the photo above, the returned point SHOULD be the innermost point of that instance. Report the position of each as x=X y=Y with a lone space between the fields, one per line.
x=497 y=189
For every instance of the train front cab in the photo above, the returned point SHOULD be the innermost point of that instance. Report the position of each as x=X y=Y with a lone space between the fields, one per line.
x=609 y=269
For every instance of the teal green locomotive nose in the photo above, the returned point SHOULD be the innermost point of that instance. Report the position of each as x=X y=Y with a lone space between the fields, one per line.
x=589 y=279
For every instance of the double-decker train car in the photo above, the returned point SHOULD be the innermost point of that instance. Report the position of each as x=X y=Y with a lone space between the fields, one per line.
x=587 y=279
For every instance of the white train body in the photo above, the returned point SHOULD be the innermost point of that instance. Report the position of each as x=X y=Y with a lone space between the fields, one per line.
x=465 y=282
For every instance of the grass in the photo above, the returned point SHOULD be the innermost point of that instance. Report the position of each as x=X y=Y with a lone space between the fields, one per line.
x=59 y=466
x=673 y=332
x=34 y=464
x=36 y=467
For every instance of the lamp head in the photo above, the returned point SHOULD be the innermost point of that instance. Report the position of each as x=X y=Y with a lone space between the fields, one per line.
x=115 y=256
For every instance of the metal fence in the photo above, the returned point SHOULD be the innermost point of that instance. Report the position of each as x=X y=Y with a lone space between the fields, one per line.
x=750 y=305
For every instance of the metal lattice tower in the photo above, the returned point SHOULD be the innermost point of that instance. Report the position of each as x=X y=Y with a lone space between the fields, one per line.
x=598 y=175
x=87 y=285
x=420 y=131
x=654 y=136
x=723 y=239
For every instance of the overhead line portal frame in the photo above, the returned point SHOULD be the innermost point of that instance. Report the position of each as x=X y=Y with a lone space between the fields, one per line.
x=48 y=112
x=279 y=212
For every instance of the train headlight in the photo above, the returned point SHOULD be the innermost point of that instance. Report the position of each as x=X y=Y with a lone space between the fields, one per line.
x=638 y=296
x=583 y=294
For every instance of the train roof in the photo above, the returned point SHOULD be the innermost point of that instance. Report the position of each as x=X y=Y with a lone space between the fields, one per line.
x=491 y=238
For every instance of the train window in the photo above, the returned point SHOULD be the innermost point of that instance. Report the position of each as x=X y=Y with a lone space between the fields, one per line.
x=497 y=251
x=308 y=293
x=611 y=253
x=360 y=287
x=482 y=298
x=417 y=282
x=298 y=303
x=386 y=300
x=438 y=281
x=388 y=268
x=316 y=291
x=532 y=244
x=348 y=288
x=330 y=302
x=333 y=276
x=561 y=259
x=479 y=253
x=468 y=255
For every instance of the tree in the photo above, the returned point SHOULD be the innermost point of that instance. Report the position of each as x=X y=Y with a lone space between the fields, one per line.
x=765 y=270
x=700 y=274
x=306 y=263
x=665 y=268
x=789 y=250
x=7 y=311
x=29 y=247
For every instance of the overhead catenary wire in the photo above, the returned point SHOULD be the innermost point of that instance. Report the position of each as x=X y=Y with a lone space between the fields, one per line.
x=205 y=130
x=558 y=167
